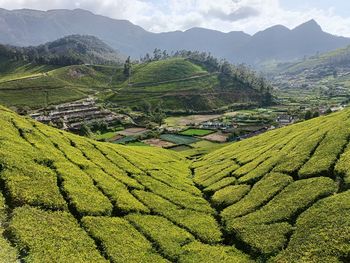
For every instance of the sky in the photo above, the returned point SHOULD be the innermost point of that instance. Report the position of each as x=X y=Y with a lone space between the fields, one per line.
x=249 y=16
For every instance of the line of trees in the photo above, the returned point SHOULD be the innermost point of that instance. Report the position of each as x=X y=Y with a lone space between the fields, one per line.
x=32 y=54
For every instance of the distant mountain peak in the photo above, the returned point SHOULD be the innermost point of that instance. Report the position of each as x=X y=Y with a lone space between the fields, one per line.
x=310 y=25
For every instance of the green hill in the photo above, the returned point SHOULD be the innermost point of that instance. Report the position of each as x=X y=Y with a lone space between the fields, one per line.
x=333 y=59
x=177 y=84
x=280 y=197
x=61 y=69
x=165 y=70
x=180 y=84
x=26 y=84
x=69 y=50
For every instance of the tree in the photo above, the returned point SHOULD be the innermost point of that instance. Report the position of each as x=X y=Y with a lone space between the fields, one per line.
x=308 y=115
x=329 y=111
x=316 y=114
x=157 y=54
x=147 y=58
x=226 y=68
x=158 y=115
x=60 y=123
x=127 y=68
x=85 y=130
x=165 y=55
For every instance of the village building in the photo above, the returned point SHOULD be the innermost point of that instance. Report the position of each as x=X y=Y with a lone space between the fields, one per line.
x=71 y=116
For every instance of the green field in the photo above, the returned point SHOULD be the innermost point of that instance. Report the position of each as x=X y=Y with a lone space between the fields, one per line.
x=284 y=195
x=178 y=139
x=196 y=132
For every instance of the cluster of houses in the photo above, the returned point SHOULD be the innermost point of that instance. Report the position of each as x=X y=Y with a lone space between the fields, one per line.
x=217 y=125
x=71 y=116
x=285 y=119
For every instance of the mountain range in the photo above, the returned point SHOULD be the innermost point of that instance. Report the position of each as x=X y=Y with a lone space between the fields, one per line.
x=31 y=27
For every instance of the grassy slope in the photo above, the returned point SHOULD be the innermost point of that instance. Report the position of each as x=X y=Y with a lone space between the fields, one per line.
x=179 y=85
x=164 y=70
x=289 y=170
x=317 y=61
x=10 y=70
x=288 y=183
x=25 y=84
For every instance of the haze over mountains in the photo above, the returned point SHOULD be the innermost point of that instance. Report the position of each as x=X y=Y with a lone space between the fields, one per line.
x=30 y=27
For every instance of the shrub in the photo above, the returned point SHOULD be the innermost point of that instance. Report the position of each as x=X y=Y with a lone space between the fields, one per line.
x=229 y=195
x=295 y=198
x=81 y=191
x=201 y=225
x=265 y=239
x=168 y=237
x=178 y=197
x=260 y=193
x=220 y=184
x=199 y=252
x=327 y=153
x=120 y=240
x=52 y=237
x=322 y=233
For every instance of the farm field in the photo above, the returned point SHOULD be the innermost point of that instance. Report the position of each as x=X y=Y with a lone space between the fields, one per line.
x=282 y=196
x=158 y=143
x=216 y=137
x=178 y=139
x=183 y=121
x=196 y=132
x=133 y=131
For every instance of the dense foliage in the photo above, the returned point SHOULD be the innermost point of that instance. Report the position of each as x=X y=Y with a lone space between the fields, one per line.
x=70 y=50
x=280 y=197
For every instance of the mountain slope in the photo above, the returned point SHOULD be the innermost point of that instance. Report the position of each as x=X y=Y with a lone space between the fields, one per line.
x=336 y=58
x=69 y=50
x=282 y=196
x=281 y=43
x=31 y=27
x=29 y=84
x=119 y=195
x=264 y=187
x=181 y=85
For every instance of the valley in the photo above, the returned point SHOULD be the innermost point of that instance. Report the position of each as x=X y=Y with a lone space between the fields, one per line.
x=122 y=145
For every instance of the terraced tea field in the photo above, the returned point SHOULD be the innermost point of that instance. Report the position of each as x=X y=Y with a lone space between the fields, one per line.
x=280 y=197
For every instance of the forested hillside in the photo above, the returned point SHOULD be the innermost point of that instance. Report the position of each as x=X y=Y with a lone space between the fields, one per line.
x=280 y=197
x=69 y=50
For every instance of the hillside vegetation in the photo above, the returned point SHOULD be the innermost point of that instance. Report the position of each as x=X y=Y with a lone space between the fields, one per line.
x=26 y=84
x=337 y=58
x=180 y=84
x=69 y=50
x=282 y=196
x=190 y=81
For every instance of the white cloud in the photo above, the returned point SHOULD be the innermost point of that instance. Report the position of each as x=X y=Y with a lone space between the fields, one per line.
x=224 y=15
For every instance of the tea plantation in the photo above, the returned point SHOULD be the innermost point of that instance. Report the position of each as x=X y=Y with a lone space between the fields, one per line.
x=279 y=197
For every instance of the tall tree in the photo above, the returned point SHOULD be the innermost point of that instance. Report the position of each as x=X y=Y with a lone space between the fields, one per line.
x=127 y=68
